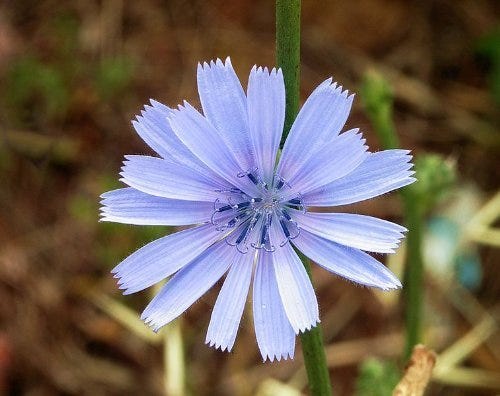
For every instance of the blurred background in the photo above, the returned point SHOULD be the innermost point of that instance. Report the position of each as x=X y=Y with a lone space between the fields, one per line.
x=72 y=76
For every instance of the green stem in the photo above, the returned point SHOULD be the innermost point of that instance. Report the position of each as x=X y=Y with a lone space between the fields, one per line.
x=313 y=351
x=377 y=98
x=288 y=58
x=414 y=272
x=315 y=362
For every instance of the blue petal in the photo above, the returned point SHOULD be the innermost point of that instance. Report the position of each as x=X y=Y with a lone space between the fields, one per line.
x=198 y=134
x=347 y=262
x=380 y=173
x=130 y=206
x=266 y=114
x=230 y=303
x=275 y=335
x=162 y=178
x=161 y=258
x=225 y=106
x=188 y=285
x=153 y=127
x=358 y=231
x=321 y=118
x=337 y=158
x=295 y=288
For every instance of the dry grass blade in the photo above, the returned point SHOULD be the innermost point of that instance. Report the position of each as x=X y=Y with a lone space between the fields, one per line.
x=271 y=387
x=480 y=228
x=351 y=352
x=124 y=315
x=470 y=377
x=173 y=355
x=465 y=345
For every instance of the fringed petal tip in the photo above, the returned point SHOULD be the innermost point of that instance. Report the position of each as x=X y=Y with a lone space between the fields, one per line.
x=398 y=154
x=274 y=72
x=150 y=115
x=390 y=283
x=276 y=357
x=152 y=322
x=220 y=346
x=226 y=63
x=105 y=195
x=127 y=159
x=126 y=291
x=126 y=282
x=334 y=87
x=395 y=285
x=157 y=105
x=148 y=320
x=104 y=216
x=185 y=106
x=308 y=327
x=122 y=283
x=386 y=286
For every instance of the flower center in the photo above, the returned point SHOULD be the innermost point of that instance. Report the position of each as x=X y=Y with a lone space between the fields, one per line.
x=247 y=220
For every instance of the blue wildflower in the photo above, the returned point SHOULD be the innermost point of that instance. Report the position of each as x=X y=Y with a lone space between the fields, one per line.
x=218 y=171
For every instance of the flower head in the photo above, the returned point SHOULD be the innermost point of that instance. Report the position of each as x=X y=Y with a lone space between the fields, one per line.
x=218 y=171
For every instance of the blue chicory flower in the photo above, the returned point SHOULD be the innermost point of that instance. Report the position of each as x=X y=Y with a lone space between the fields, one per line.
x=218 y=171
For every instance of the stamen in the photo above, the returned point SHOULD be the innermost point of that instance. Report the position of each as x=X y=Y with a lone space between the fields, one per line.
x=214 y=219
x=285 y=228
x=217 y=210
x=233 y=222
x=242 y=236
x=290 y=227
x=254 y=177
x=242 y=205
x=298 y=202
x=240 y=210
x=268 y=247
x=215 y=203
x=232 y=190
x=265 y=241
x=286 y=215
x=280 y=183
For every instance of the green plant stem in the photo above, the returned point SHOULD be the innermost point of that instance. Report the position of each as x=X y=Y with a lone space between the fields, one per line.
x=377 y=98
x=414 y=272
x=313 y=351
x=288 y=58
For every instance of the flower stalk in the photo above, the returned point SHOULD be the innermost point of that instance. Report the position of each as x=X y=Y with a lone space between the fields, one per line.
x=288 y=56
x=378 y=101
x=288 y=59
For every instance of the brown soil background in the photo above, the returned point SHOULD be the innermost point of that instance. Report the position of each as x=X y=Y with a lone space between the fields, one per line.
x=73 y=75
